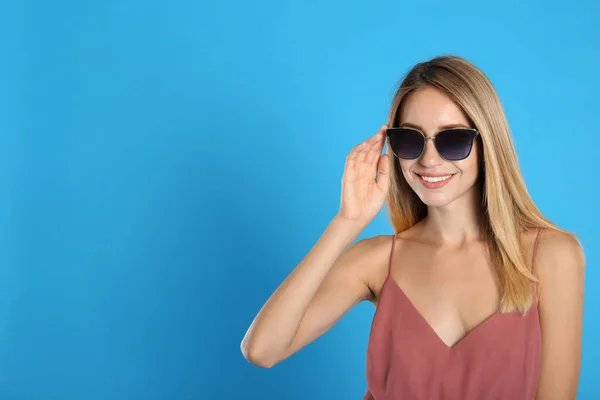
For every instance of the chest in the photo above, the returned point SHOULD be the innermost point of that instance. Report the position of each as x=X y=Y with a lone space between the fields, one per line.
x=453 y=292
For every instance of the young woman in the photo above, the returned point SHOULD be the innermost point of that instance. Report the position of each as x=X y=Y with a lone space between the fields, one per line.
x=477 y=294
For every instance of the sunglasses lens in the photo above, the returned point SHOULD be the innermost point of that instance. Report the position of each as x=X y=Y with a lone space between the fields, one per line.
x=455 y=144
x=406 y=143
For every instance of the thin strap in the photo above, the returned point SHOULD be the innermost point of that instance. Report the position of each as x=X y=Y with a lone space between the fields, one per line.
x=392 y=253
x=535 y=244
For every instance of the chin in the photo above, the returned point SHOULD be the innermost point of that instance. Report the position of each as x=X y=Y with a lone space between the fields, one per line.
x=437 y=201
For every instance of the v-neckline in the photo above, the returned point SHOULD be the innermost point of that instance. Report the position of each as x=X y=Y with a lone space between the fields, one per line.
x=464 y=338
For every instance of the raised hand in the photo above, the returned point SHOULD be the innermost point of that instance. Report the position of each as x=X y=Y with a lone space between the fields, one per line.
x=363 y=193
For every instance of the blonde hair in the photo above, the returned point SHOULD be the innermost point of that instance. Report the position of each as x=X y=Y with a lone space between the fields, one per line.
x=508 y=209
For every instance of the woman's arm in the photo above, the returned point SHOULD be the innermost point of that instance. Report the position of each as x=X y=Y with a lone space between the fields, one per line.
x=320 y=290
x=560 y=268
x=331 y=278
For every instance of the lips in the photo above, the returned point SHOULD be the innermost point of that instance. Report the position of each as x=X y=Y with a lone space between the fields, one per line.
x=434 y=175
x=434 y=181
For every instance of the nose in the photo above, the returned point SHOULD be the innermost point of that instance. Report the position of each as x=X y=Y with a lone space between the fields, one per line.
x=430 y=156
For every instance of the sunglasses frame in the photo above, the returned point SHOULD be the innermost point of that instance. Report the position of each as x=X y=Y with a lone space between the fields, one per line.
x=425 y=138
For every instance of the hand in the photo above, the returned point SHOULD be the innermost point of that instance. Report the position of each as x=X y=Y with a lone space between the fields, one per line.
x=362 y=194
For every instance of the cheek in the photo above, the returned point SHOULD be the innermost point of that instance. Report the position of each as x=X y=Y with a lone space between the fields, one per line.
x=472 y=164
x=406 y=166
x=468 y=168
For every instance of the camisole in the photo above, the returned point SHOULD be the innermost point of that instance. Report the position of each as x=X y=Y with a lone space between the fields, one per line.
x=499 y=359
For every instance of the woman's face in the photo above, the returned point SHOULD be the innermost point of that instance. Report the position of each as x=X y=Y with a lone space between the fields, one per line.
x=429 y=110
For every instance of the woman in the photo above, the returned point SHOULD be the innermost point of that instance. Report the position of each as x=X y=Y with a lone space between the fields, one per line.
x=477 y=294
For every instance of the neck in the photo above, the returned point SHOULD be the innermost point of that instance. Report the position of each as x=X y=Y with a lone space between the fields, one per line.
x=457 y=223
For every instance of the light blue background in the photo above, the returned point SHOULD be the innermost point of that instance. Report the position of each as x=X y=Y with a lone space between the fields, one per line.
x=164 y=166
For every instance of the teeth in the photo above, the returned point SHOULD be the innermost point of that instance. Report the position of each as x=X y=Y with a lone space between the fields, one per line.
x=435 y=179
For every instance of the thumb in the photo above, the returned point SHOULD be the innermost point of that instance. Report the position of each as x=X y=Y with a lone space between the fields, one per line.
x=383 y=182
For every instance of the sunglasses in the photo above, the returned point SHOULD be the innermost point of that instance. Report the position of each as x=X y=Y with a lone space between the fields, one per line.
x=452 y=144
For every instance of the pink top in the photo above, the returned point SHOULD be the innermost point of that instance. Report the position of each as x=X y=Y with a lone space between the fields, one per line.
x=406 y=359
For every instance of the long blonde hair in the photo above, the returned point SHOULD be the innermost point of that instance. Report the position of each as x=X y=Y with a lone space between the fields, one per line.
x=507 y=207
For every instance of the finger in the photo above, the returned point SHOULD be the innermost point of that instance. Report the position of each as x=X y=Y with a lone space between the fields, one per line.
x=376 y=148
x=349 y=172
x=362 y=151
x=379 y=136
x=354 y=152
x=373 y=155
x=383 y=182
x=371 y=140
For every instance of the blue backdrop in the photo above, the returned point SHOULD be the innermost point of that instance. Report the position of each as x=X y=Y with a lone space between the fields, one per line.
x=164 y=166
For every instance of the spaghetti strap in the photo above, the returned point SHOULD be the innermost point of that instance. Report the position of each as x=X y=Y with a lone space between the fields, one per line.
x=392 y=253
x=535 y=245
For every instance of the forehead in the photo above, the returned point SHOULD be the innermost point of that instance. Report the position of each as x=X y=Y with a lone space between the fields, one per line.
x=430 y=109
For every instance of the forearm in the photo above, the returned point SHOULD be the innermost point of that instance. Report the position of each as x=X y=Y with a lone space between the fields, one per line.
x=277 y=323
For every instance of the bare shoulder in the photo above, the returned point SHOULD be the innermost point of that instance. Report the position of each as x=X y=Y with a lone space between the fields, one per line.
x=559 y=250
x=372 y=253
x=370 y=258
x=559 y=262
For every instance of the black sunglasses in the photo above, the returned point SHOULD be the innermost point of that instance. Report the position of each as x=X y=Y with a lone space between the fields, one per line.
x=452 y=144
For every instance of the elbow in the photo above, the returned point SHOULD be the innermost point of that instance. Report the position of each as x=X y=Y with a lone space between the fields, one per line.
x=255 y=355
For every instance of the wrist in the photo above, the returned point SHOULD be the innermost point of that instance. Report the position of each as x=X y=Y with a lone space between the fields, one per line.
x=348 y=224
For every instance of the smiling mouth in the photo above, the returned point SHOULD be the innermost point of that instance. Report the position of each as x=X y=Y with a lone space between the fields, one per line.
x=434 y=179
x=434 y=182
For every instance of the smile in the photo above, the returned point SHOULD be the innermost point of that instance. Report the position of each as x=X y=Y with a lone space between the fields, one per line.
x=434 y=182
x=435 y=179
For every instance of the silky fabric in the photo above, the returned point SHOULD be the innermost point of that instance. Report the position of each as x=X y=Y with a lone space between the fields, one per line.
x=500 y=359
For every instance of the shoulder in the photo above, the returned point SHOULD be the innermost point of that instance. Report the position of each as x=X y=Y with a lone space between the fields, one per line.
x=559 y=264
x=370 y=259
x=373 y=242
x=557 y=251
x=372 y=253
